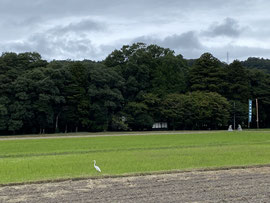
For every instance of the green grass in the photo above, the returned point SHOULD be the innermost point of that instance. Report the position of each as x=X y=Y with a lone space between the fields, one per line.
x=32 y=160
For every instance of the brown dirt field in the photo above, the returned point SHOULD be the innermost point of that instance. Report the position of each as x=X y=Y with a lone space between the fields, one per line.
x=234 y=185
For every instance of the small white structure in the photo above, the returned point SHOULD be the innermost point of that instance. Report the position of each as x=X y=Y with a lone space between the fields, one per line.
x=160 y=125
x=239 y=128
x=230 y=128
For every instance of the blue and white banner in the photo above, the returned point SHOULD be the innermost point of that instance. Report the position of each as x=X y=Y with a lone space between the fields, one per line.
x=249 y=110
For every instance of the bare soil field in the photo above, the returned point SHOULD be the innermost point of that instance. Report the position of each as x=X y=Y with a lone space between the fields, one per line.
x=234 y=185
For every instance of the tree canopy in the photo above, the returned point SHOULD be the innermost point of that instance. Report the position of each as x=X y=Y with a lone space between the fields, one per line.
x=133 y=88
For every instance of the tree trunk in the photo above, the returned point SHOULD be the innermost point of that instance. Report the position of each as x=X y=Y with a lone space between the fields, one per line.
x=56 y=123
x=173 y=125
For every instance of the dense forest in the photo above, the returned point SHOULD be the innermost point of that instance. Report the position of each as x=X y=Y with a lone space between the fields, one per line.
x=258 y=63
x=132 y=89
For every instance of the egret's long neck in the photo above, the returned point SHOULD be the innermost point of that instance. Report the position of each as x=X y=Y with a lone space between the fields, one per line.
x=94 y=163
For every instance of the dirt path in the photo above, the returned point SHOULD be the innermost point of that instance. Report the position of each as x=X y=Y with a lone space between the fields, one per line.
x=235 y=185
x=79 y=135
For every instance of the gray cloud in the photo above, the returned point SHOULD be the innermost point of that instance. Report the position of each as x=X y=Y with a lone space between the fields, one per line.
x=187 y=40
x=229 y=28
x=78 y=29
x=238 y=52
x=187 y=44
x=58 y=47
x=85 y=25
x=70 y=39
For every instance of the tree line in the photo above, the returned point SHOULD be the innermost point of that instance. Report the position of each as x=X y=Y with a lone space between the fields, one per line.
x=131 y=89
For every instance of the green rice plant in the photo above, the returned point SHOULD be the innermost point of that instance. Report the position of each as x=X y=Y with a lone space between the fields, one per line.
x=48 y=159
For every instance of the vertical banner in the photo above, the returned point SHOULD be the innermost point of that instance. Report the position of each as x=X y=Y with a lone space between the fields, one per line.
x=249 y=110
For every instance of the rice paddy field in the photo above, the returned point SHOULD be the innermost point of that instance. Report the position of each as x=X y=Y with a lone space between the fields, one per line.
x=26 y=160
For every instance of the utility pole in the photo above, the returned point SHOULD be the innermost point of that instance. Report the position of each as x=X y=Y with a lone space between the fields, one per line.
x=233 y=115
x=257 y=113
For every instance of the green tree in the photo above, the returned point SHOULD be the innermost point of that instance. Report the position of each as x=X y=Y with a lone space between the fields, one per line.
x=148 y=69
x=207 y=74
x=196 y=110
x=238 y=83
x=137 y=116
x=173 y=110
x=105 y=96
x=208 y=110
x=260 y=89
x=3 y=113
x=14 y=87
x=78 y=105
x=257 y=63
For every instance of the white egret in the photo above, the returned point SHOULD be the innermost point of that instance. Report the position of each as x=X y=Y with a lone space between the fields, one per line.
x=96 y=167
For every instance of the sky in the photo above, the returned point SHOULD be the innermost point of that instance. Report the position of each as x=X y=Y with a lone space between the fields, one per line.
x=92 y=29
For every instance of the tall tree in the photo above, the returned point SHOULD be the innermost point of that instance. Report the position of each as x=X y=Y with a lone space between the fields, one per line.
x=257 y=63
x=207 y=74
x=238 y=84
x=137 y=116
x=148 y=69
x=260 y=89
x=105 y=96
x=196 y=110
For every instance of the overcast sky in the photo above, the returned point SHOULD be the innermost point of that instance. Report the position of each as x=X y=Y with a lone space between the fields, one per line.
x=91 y=29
